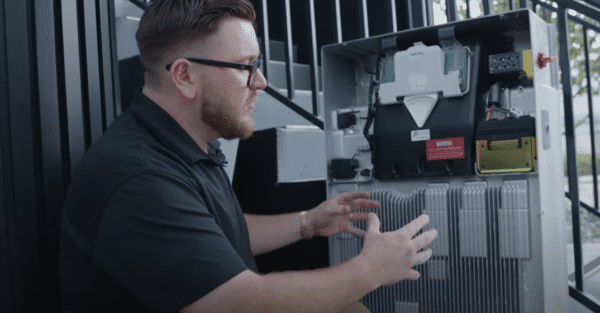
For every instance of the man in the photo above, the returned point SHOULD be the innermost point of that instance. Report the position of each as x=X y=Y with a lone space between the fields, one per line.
x=150 y=220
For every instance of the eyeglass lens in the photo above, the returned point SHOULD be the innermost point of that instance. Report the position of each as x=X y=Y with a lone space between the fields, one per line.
x=253 y=73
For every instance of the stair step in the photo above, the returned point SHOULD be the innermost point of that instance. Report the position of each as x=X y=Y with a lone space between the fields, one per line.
x=277 y=76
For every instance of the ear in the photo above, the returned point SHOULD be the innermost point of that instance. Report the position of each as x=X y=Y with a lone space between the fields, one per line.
x=183 y=79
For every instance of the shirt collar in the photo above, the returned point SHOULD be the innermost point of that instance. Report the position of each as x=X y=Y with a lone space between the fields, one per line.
x=168 y=132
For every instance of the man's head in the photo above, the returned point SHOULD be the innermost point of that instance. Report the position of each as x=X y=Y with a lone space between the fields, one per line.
x=168 y=26
x=209 y=100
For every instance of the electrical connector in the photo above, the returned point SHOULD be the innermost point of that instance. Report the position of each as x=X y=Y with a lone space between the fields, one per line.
x=506 y=63
x=343 y=168
x=345 y=120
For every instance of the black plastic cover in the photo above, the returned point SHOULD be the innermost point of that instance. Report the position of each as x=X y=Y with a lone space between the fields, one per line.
x=506 y=129
x=344 y=168
x=395 y=155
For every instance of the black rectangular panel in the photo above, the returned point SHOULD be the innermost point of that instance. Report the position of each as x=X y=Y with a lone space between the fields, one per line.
x=5 y=277
x=396 y=154
x=73 y=91
x=92 y=68
x=114 y=59
x=106 y=73
x=51 y=151
x=23 y=113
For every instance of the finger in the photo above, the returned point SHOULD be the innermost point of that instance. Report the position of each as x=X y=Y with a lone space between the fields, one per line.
x=413 y=275
x=423 y=256
x=424 y=239
x=365 y=204
x=356 y=231
x=373 y=224
x=359 y=216
x=342 y=209
x=412 y=228
x=352 y=195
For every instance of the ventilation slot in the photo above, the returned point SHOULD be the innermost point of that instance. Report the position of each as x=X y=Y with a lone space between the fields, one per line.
x=483 y=240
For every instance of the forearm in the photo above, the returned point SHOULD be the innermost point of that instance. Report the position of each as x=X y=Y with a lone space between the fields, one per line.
x=386 y=259
x=271 y=232
x=324 y=290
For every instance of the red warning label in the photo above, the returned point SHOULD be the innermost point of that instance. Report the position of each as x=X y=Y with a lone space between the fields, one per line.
x=445 y=149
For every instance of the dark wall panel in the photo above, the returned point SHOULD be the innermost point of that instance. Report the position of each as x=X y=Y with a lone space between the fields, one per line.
x=73 y=88
x=56 y=97
x=53 y=182
x=22 y=217
x=109 y=93
x=90 y=69
x=5 y=278
x=114 y=59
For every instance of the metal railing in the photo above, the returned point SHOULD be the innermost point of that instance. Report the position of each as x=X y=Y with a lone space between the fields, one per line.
x=289 y=63
x=591 y=11
x=310 y=24
x=263 y=9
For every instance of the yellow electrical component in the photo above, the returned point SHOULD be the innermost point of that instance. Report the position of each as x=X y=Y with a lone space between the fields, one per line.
x=528 y=64
x=506 y=156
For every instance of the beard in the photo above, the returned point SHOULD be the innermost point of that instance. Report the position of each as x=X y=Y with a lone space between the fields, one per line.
x=228 y=124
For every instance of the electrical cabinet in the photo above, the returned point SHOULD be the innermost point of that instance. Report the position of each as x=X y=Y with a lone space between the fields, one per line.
x=459 y=121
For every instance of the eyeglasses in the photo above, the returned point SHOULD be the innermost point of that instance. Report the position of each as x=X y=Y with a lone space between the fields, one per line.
x=250 y=67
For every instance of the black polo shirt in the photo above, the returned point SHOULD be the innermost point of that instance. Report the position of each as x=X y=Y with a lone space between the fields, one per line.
x=150 y=221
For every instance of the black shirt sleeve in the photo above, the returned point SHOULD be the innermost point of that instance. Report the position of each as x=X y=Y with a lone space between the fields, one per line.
x=160 y=241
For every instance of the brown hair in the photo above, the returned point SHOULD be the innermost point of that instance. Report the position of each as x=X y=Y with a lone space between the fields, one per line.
x=169 y=23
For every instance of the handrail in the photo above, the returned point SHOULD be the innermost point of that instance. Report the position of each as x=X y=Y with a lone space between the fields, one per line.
x=571 y=17
x=139 y=4
x=593 y=2
x=290 y=104
x=585 y=206
x=585 y=298
x=581 y=7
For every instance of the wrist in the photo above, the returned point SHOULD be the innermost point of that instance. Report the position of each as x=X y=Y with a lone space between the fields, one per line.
x=305 y=230
x=365 y=271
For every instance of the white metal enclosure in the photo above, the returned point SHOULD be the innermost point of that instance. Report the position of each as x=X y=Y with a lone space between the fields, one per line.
x=501 y=244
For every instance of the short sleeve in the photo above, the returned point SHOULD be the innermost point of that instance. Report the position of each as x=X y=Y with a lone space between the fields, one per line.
x=159 y=240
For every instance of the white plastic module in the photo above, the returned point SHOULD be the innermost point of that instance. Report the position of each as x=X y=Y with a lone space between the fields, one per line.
x=419 y=75
x=298 y=154
x=420 y=70
x=501 y=244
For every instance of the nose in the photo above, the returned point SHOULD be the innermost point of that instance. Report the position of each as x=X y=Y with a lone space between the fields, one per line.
x=260 y=81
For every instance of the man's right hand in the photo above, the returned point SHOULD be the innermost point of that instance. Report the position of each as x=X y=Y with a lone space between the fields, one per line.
x=391 y=256
x=385 y=259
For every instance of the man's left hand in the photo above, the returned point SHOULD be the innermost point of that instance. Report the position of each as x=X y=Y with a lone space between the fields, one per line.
x=334 y=215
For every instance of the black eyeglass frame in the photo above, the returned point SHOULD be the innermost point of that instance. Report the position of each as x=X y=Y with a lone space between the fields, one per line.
x=250 y=67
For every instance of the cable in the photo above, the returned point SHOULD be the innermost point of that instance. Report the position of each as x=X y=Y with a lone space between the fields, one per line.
x=373 y=106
